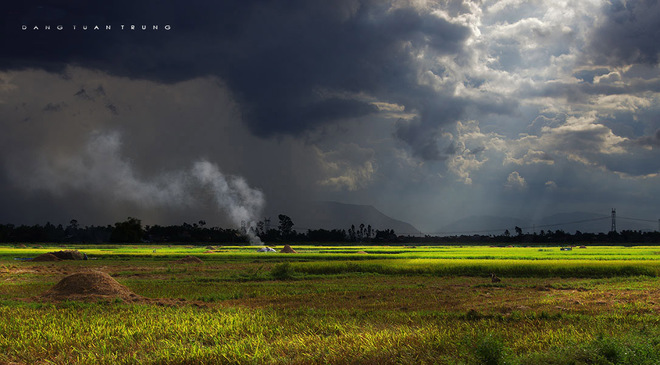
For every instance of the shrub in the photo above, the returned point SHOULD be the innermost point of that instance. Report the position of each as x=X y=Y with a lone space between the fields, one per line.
x=282 y=271
x=490 y=351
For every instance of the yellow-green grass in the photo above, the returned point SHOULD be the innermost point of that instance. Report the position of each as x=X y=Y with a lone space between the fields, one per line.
x=424 y=305
x=161 y=252
x=482 y=267
x=115 y=334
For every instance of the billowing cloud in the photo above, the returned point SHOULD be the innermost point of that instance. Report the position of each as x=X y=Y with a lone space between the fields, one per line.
x=533 y=157
x=515 y=181
x=291 y=67
x=650 y=141
x=349 y=167
x=628 y=33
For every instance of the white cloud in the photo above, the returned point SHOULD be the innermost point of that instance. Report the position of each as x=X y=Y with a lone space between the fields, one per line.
x=530 y=158
x=515 y=181
x=349 y=167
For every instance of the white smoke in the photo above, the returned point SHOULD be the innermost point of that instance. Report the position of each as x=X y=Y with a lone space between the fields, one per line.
x=101 y=170
x=241 y=202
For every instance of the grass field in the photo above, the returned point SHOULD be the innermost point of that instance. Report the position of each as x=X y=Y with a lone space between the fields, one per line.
x=333 y=305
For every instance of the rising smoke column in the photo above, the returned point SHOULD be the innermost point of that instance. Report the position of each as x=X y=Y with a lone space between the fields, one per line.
x=233 y=195
x=100 y=169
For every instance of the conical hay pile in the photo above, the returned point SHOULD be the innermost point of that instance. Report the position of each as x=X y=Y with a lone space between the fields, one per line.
x=46 y=257
x=288 y=249
x=91 y=284
x=68 y=255
x=189 y=260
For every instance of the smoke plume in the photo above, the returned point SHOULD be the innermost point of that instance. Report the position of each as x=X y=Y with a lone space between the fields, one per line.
x=99 y=169
x=233 y=195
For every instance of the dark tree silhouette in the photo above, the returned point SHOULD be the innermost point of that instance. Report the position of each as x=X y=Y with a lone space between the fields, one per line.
x=285 y=226
x=518 y=231
x=127 y=231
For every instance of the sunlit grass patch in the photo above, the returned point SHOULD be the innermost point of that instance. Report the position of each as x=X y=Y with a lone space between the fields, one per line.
x=506 y=268
x=103 y=334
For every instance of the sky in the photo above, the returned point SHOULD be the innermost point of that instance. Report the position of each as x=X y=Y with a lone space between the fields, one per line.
x=233 y=110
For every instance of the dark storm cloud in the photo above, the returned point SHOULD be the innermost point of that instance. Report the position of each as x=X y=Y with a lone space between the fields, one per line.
x=424 y=133
x=291 y=65
x=424 y=140
x=629 y=33
x=589 y=75
x=653 y=140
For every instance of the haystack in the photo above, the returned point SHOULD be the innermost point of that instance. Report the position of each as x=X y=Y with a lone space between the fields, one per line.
x=362 y=253
x=189 y=260
x=69 y=255
x=46 y=257
x=288 y=249
x=89 y=285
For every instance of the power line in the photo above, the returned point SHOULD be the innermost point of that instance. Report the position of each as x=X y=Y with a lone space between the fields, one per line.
x=567 y=223
x=637 y=219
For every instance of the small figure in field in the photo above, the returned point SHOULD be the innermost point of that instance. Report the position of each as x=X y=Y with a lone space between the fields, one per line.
x=494 y=278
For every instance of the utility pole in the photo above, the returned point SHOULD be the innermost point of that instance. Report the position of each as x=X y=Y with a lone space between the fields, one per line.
x=613 y=220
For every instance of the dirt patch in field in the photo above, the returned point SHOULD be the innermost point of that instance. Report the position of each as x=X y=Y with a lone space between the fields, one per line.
x=46 y=257
x=288 y=249
x=458 y=294
x=362 y=253
x=89 y=285
x=189 y=260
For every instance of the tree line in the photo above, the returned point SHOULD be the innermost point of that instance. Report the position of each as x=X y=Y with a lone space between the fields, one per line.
x=133 y=231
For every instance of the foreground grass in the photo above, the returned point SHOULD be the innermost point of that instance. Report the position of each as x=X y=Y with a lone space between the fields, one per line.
x=114 y=333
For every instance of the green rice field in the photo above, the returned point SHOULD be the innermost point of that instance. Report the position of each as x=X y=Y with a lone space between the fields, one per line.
x=335 y=305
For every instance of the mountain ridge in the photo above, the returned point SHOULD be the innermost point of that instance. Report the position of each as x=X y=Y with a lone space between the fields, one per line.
x=334 y=215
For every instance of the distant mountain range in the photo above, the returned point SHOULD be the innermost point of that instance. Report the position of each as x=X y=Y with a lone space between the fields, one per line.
x=333 y=215
x=567 y=222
